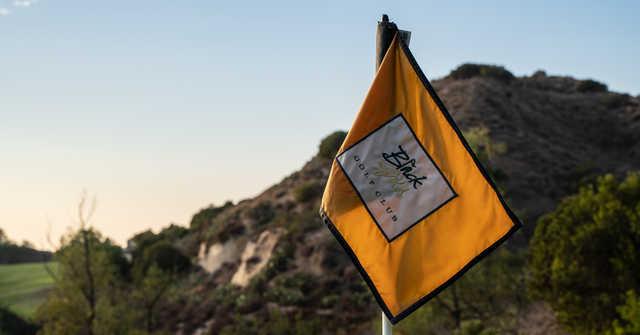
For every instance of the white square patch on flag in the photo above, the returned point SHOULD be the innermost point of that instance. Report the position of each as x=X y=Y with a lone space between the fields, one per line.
x=395 y=177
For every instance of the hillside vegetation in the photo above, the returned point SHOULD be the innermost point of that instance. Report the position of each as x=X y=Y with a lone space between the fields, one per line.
x=267 y=265
x=269 y=262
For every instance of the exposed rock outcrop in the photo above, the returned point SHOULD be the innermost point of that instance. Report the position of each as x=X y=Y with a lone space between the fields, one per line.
x=255 y=256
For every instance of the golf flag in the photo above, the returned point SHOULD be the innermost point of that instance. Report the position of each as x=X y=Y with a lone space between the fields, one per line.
x=406 y=196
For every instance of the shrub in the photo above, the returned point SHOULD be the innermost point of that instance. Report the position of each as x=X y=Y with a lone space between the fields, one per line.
x=225 y=296
x=493 y=291
x=302 y=223
x=286 y=296
x=487 y=150
x=329 y=145
x=166 y=257
x=614 y=101
x=590 y=85
x=630 y=315
x=222 y=227
x=296 y=289
x=262 y=213
x=280 y=259
x=173 y=233
x=584 y=255
x=307 y=191
x=205 y=215
x=468 y=70
x=479 y=139
x=335 y=257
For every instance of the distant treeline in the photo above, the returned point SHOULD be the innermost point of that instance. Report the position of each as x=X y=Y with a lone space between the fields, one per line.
x=11 y=253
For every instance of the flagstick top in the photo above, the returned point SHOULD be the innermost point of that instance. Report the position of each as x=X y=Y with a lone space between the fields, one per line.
x=384 y=36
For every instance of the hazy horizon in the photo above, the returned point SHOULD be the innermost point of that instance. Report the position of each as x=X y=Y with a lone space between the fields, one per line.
x=162 y=109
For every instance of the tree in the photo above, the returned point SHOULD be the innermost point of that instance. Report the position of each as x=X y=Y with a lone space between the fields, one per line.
x=4 y=239
x=584 y=255
x=150 y=287
x=97 y=290
x=486 y=300
x=28 y=245
x=155 y=272
x=141 y=241
x=87 y=284
x=329 y=145
x=469 y=70
x=206 y=215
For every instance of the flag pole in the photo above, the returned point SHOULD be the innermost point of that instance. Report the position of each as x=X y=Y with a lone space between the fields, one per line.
x=384 y=36
x=386 y=325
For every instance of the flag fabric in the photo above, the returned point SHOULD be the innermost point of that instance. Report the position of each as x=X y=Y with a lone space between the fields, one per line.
x=406 y=197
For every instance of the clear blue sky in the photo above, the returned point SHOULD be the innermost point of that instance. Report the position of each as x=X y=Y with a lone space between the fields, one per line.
x=162 y=107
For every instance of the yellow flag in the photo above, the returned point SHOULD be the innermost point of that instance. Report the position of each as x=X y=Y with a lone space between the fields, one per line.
x=406 y=197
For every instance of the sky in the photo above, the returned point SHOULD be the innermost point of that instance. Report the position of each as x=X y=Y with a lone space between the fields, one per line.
x=160 y=108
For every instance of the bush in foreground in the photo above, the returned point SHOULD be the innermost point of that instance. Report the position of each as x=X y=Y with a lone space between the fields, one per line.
x=584 y=255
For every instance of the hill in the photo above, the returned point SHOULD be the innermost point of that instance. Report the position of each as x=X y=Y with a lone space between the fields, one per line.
x=269 y=261
x=558 y=131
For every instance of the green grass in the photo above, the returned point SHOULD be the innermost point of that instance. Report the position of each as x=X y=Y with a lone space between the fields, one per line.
x=23 y=287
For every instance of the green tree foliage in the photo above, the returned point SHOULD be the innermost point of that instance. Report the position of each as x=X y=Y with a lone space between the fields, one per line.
x=329 y=145
x=157 y=265
x=85 y=297
x=629 y=323
x=141 y=241
x=98 y=291
x=486 y=300
x=206 y=215
x=262 y=213
x=584 y=255
x=151 y=288
x=165 y=257
x=307 y=191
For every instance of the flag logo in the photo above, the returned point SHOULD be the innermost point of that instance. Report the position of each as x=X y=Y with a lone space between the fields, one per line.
x=395 y=178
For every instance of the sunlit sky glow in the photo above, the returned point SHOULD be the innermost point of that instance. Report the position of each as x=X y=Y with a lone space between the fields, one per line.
x=161 y=108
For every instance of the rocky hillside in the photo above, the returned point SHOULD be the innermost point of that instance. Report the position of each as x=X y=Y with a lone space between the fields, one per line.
x=271 y=259
x=558 y=132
